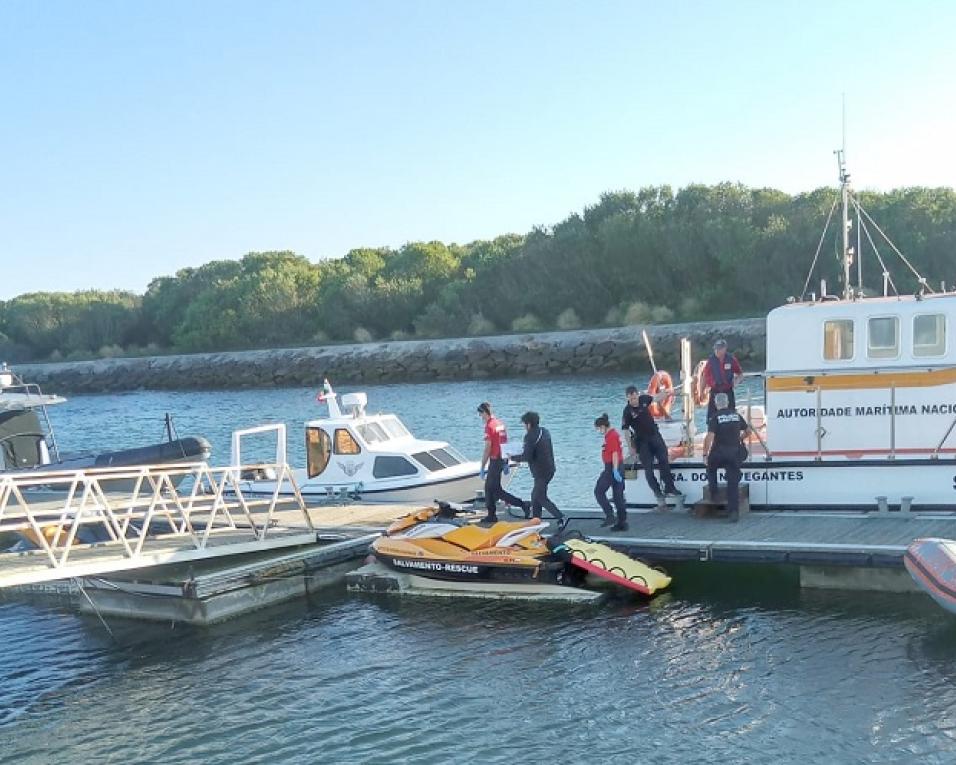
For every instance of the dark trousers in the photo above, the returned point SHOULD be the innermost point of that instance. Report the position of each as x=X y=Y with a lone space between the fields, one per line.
x=604 y=482
x=729 y=460
x=494 y=490
x=539 y=498
x=651 y=451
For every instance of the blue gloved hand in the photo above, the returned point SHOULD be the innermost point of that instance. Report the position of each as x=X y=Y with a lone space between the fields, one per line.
x=482 y=473
x=617 y=476
x=506 y=469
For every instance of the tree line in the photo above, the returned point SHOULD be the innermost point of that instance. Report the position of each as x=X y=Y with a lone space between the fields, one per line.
x=705 y=252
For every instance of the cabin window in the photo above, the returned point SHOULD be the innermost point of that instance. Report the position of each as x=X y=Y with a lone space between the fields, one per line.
x=395 y=428
x=428 y=461
x=838 y=339
x=883 y=337
x=445 y=457
x=318 y=449
x=392 y=467
x=929 y=335
x=372 y=433
x=345 y=443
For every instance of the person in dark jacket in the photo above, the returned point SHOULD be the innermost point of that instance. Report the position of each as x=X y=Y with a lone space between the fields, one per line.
x=646 y=441
x=539 y=454
x=724 y=449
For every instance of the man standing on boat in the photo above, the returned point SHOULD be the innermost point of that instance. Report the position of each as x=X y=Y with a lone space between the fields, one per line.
x=724 y=450
x=494 y=463
x=646 y=441
x=721 y=374
x=539 y=454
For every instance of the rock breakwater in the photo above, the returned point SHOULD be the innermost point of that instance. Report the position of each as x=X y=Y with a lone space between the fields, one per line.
x=542 y=354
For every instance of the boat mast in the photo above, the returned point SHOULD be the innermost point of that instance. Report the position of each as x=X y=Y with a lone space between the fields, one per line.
x=845 y=202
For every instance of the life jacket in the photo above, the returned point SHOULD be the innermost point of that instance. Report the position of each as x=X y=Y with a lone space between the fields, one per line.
x=721 y=373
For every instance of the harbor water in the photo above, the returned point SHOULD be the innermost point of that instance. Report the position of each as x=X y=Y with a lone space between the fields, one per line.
x=735 y=665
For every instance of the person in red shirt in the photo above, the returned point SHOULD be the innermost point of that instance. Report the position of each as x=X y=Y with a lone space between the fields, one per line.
x=721 y=374
x=612 y=454
x=493 y=464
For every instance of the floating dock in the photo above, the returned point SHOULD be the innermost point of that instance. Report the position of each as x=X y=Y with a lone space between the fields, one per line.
x=213 y=591
x=209 y=590
x=175 y=542
x=204 y=556
x=861 y=551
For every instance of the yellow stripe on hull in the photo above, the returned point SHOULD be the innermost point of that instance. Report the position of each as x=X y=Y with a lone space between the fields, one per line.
x=884 y=379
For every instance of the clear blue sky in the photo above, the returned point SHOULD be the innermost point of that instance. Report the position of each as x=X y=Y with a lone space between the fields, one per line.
x=137 y=138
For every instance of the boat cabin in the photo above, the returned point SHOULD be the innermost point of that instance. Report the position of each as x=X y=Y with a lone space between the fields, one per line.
x=23 y=441
x=348 y=441
x=869 y=376
x=26 y=433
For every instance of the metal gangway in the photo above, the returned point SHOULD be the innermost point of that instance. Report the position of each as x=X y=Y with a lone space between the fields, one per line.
x=103 y=520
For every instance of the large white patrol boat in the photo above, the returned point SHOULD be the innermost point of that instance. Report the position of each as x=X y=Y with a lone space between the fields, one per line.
x=859 y=397
x=373 y=458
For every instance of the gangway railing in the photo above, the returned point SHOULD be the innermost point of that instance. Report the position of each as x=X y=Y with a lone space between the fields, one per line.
x=110 y=519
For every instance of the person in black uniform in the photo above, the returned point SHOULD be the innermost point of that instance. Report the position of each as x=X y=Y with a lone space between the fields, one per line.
x=724 y=449
x=646 y=440
x=539 y=454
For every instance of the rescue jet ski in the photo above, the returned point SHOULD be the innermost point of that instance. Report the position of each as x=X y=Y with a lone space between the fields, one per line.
x=444 y=542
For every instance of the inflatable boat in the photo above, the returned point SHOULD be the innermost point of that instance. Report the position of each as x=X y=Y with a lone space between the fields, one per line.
x=27 y=440
x=932 y=564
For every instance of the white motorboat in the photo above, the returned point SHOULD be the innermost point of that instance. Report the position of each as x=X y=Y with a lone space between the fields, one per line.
x=859 y=396
x=365 y=457
x=28 y=441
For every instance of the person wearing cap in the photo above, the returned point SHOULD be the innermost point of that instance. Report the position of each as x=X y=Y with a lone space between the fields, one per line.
x=493 y=464
x=724 y=450
x=539 y=454
x=721 y=374
x=646 y=441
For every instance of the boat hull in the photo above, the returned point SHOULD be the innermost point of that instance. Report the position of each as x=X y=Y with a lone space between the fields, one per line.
x=828 y=485
x=462 y=489
x=473 y=571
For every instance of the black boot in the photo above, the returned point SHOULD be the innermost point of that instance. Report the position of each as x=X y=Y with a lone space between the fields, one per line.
x=608 y=521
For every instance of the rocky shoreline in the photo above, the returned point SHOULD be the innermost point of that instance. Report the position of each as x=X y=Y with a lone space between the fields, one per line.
x=542 y=354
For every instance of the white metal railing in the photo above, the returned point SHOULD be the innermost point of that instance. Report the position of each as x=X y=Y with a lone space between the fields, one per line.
x=127 y=506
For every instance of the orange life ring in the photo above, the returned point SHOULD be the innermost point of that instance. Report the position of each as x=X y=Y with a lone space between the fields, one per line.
x=661 y=381
x=701 y=389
